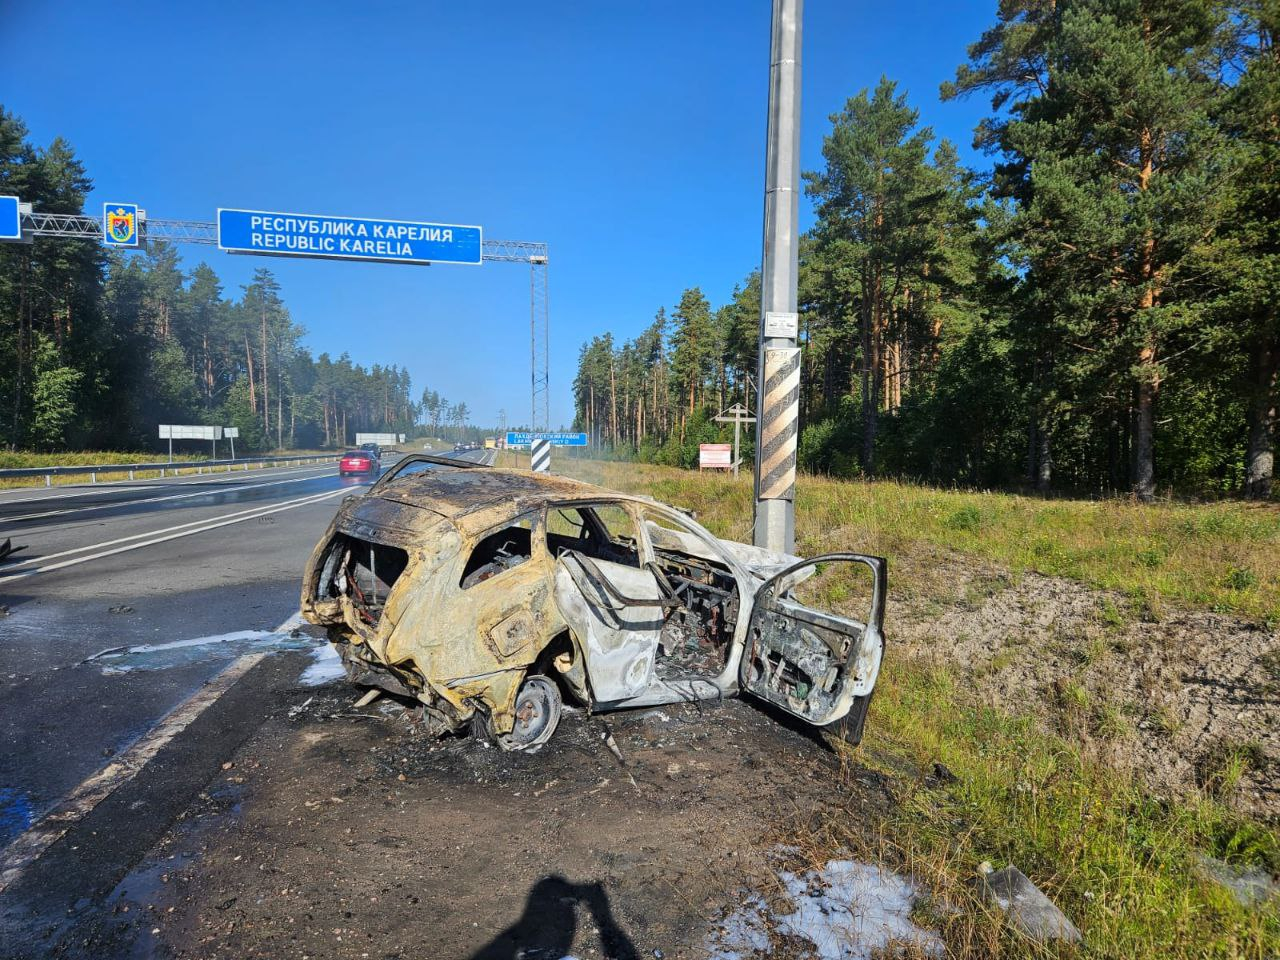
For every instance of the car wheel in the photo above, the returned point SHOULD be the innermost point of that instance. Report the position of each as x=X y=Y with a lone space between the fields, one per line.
x=538 y=708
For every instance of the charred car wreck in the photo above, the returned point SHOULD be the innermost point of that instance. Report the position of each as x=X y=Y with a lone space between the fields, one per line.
x=488 y=595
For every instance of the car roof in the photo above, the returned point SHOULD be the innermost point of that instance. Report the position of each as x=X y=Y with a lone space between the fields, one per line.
x=460 y=493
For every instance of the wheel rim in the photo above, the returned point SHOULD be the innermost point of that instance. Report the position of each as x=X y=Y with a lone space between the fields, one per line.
x=537 y=714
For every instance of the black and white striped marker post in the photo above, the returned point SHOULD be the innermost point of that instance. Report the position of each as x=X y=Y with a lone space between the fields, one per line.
x=540 y=456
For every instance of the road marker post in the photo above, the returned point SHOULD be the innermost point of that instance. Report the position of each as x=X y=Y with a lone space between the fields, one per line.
x=540 y=455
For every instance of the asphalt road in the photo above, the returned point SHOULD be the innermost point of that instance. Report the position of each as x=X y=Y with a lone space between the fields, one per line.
x=149 y=562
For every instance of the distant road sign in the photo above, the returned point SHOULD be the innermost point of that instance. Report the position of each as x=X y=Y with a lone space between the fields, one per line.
x=173 y=431
x=120 y=224
x=518 y=438
x=381 y=439
x=346 y=238
x=10 y=219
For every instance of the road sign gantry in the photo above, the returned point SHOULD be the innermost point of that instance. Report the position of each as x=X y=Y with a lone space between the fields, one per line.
x=78 y=226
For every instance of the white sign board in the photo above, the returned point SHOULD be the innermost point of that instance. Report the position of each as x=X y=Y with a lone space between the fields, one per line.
x=175 y=431
x=231 y=433
x=781 y=325
x=715 y=456
x=381 y=439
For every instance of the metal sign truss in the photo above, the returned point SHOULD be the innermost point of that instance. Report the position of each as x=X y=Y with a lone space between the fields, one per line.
x=78 y=226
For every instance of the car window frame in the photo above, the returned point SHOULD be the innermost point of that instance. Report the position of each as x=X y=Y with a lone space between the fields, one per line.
x=644 y=552
x=537 y=548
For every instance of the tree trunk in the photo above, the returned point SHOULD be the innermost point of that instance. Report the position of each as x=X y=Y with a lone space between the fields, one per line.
x=266 y=380
x=248 y=361
x=1144 y=440
x=1264 y=370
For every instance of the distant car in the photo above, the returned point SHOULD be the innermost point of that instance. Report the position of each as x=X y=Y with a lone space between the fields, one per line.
x=358 y=461
x=372 y=448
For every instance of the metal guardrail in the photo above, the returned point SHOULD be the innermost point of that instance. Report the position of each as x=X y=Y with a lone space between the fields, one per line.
x=162 y=468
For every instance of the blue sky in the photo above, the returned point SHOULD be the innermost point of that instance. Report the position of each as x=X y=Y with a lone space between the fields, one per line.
x=628 y=136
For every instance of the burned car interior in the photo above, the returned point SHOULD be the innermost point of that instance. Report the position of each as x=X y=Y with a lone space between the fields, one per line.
x=492 y=595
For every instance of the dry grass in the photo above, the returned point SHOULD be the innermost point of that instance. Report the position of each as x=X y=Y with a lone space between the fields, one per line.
x=1121 y=862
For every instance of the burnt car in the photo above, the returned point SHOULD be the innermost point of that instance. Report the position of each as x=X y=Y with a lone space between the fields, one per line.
x=489 y=595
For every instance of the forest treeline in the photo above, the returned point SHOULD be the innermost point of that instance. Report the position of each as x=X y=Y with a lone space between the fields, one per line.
x=1095 y=312
x=97 y=347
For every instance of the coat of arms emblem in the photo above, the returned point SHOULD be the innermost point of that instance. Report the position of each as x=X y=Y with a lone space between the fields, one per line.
x=121 y=226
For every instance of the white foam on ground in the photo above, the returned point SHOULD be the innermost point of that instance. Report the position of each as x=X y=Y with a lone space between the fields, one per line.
x=325 y=665
x=848 y=911
x=239 y=635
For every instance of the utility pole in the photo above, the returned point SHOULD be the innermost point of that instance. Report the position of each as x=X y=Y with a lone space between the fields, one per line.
x=779 y=367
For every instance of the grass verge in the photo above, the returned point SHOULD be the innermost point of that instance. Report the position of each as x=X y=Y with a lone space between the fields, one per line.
x=1222 y=556
x=1126 y=866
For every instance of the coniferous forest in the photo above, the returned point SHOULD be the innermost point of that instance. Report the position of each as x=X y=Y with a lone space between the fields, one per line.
x=97 y=348
x=1095 y=312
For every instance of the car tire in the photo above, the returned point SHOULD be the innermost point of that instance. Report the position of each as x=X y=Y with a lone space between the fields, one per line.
x=538 y=709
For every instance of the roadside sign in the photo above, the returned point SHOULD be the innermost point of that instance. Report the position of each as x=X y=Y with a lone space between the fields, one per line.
x=174 y=431
x=192 y=431
x=715 y=456
x=120 y=224
x=521 y=438
x=231 y=433
x=381 y=439
x=346 y=238
x=10 y=219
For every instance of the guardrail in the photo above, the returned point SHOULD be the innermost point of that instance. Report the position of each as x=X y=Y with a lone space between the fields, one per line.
x=162 y=468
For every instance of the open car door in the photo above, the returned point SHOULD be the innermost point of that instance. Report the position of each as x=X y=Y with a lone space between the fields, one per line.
x=817 y=665
x=616 y=612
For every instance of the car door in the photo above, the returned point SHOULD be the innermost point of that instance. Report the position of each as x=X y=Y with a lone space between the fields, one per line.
x=611 y=602
x=818 y=665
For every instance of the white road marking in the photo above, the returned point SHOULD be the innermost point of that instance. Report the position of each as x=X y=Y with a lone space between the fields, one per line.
x=31 y=844
x=124 y=486
x=227 y=520
x=173 y=496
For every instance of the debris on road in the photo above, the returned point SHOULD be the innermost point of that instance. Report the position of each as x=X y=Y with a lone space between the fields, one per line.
x=7 y=549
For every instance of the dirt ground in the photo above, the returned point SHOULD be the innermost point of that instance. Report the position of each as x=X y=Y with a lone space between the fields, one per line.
x=1172 y=694
x=343 y=833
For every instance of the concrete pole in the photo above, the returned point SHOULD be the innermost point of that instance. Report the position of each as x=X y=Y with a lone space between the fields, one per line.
x=779 y=368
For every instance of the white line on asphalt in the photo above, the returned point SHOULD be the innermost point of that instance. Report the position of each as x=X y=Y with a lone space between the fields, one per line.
x=124 y=486
x=226 y=521
x=173 y=496
x=30 y=845
x=142 y=536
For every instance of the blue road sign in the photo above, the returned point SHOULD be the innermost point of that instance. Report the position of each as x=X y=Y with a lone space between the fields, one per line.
x=519 y=438
x=120 y=224
x=346 y=238
x=10 y=219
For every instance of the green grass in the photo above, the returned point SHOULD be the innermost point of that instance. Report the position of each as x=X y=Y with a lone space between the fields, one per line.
x=1119 y=860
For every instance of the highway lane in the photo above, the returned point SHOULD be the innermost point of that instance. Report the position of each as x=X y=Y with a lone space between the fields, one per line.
x=144 y=563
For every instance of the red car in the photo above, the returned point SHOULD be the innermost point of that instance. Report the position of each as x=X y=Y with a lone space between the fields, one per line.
x=358 y=461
